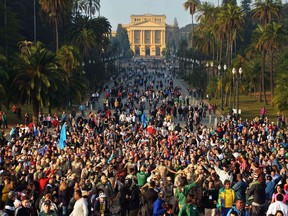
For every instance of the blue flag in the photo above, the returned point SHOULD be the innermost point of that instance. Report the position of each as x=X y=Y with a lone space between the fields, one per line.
x=62 y=137
x=143 y=119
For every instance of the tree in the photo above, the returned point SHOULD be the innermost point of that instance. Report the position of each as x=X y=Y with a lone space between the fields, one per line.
x=3 y=78
x=69 y=58
x=280 y=101
x=273 y=37
x=87 y=34
x=266 y=10
x=91 y=6
x=57 y=12
x=37 y=75
x=192 y=6
x=230 y=20
x=10 y=35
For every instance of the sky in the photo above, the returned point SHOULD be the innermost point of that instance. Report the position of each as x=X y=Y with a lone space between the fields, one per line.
x=119 y=11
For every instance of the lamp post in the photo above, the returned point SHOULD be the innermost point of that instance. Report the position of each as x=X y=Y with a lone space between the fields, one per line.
x=222 y=73
x=237 y=76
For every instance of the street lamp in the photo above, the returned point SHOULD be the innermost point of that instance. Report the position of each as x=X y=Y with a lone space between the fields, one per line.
x=237 y=76
x=222 y=73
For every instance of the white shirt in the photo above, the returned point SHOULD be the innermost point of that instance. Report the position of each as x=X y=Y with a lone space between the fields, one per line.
x=80 y=208
x=278 y=205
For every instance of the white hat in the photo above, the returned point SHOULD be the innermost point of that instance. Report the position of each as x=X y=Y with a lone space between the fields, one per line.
x=102 y=195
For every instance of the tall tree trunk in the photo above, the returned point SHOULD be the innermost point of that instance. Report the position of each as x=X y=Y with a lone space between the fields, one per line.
x=192 y=34
x=35 y=108
x=272 y=75
x=263 y=74
x=231 y=92
x=56 y=35
x=221 y=48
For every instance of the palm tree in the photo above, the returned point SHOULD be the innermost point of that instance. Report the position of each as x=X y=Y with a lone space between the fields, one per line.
x=273 y=37
x=78 y=6
x=57 y=12
x=231 y=20
x=86 y=34
x=91 y=6
x=192 y=6
x=69 y=58
x=24 y=46
x=260 y=45
x=38 y=75
x=266 y=10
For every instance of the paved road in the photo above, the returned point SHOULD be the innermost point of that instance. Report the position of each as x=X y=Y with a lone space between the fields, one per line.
x=209 y=120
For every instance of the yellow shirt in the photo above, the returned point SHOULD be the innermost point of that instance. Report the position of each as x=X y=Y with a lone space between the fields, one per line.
x=226 y=198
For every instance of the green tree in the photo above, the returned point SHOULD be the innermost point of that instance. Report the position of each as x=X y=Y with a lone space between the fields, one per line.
x=13 y=30
x=280 y=101
x=266 y=10
x=192 y=6
x=91 y=7
x=273 y=37
x=3 y=78
x=87 y=34
x=57 y=12
x=37 y=75
x=69 y=58
x=230 y=20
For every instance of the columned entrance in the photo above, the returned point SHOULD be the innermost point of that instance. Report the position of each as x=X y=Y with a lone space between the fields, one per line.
x=147 y=51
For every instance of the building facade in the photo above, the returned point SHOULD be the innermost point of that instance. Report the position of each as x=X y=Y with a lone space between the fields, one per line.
x=149 y=34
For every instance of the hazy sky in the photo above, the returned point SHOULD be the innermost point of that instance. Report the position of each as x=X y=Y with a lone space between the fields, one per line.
x=119 y=11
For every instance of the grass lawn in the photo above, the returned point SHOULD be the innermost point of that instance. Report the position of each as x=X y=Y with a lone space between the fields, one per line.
x=250 y=107
x=13 y=120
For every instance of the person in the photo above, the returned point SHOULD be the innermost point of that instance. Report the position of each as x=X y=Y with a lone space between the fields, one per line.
x=142 y=176
x=209 y=199
x=182 y=189
x=158 y=205
x=101 y=205
x=239 y=208
x=80 y=206
x=134 y=200
x=278 y=205
x=47 y=211
x=280 y=190
x=2 y=212
x=9 y=205
x=278 y=213
x=189 y=208
x=24 y=209
x=226 y=198
x=263 y=113
x=257 y=192
x=63 y=196
x=240 y=187
x=19 y=112
x=150 y=196
x=4 y=120
x=270 y=185
x=125 y=193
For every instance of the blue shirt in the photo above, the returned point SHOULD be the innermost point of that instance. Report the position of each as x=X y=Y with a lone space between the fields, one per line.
x=238 y=212
x=158 y=210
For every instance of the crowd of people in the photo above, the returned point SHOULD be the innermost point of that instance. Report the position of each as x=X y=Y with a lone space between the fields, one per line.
x=143 y=149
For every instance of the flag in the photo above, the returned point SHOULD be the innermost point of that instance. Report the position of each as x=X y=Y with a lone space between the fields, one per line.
x=62 y=137
x=143 y=119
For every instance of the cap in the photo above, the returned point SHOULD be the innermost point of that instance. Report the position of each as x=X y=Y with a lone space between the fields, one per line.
x=102 y=195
